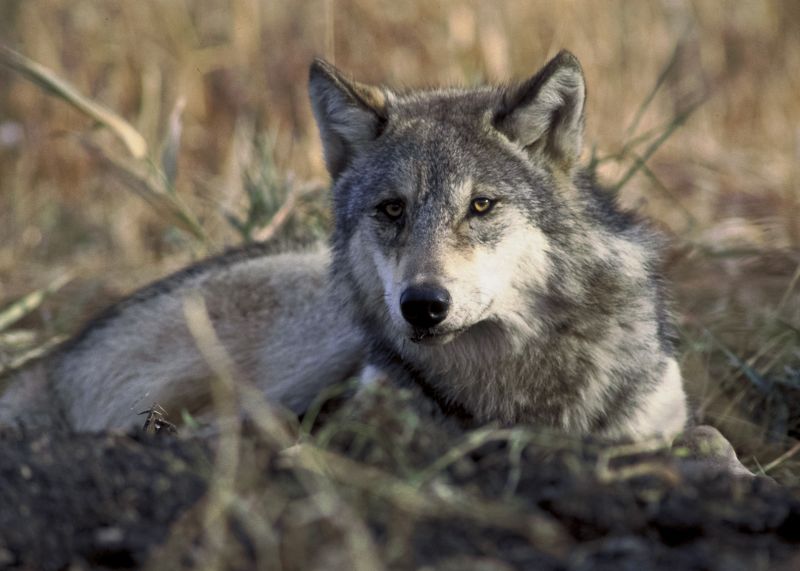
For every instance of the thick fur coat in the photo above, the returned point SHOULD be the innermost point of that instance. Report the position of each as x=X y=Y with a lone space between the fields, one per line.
x=472 y=259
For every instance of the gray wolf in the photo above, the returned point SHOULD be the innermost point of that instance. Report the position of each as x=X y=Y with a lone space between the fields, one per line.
x=486 y=266
x=473 y=259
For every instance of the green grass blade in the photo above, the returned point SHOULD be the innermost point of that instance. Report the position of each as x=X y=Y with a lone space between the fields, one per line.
x=679 y=120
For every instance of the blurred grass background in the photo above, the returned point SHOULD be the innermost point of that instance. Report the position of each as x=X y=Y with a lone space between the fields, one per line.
x=221 y=85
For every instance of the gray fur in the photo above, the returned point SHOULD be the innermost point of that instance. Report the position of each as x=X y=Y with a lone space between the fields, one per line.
x=557 y=315
x=271 y=313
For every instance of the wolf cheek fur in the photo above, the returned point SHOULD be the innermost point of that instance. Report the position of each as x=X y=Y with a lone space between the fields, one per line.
x=545 y=307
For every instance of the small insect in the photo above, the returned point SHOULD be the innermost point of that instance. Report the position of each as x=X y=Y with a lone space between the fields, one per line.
x=156 y=421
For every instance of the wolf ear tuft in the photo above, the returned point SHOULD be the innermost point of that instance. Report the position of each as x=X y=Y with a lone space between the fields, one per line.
x=349 y=114
x=545 y=113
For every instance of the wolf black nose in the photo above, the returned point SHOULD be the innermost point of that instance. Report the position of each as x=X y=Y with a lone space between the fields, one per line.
x=424 y=306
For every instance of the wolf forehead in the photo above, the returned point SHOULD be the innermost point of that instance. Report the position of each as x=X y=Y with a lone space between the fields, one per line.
x=487 y=134
x=444 y=132
x=459 y=107
x=435 y=171
x=425 y=157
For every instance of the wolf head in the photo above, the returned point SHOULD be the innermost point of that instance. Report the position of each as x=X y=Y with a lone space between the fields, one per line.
x=449 y=204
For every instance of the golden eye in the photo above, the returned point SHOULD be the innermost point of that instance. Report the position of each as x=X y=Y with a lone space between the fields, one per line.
x=481 y=205
x=393 y=210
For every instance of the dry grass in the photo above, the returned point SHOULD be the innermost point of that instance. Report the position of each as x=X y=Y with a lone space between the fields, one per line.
x=217 y=90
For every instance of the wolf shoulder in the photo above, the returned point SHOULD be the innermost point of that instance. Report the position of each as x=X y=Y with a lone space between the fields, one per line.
x=271 y=313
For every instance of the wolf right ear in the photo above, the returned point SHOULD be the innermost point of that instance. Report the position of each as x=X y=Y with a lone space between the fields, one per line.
x=545 y=113
x=349 y=114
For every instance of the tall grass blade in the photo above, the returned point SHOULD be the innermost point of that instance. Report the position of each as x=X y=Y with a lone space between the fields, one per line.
x=29 y=303
x=639 y=162
x=760 y=383
x=50 y=82
x=172 y=144
x=673 y=59
x=166 y=204
x=29 y=355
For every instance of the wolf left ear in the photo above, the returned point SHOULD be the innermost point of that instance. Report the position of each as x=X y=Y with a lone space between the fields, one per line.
x=349 y=114
x=545 y=114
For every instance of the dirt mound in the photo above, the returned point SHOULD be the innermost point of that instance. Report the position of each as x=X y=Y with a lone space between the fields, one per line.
x=380 y=484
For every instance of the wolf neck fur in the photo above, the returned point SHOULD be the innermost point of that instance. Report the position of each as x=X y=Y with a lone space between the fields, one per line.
x=495 y=371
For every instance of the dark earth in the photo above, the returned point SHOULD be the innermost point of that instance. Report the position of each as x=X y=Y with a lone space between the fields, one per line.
x=391 y=487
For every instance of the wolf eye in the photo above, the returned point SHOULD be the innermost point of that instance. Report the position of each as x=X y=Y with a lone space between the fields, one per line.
x=393 y=209
x=481 y=205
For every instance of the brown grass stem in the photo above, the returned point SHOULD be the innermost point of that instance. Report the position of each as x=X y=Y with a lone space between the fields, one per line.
x=50 y=82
